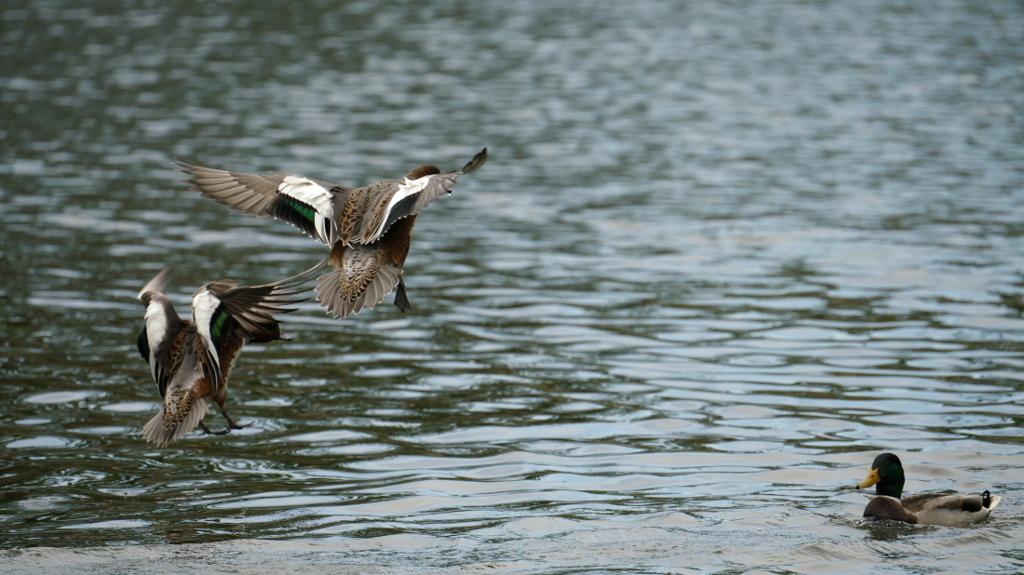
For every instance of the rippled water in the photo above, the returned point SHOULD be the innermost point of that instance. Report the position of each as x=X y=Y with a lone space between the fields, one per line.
x=722 y=255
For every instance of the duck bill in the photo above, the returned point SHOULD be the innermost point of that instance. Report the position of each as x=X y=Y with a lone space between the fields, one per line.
x=872 y=479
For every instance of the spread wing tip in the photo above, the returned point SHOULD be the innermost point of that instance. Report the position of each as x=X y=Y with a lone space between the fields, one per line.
x=157 y=284
x=477 y=161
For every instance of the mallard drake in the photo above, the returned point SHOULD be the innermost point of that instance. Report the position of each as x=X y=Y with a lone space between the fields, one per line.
x=369 y=229
x=191 y=360
x=927 y=508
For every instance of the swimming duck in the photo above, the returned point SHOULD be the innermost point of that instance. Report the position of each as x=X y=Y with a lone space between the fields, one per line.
x=369 y=229
x=927 y=508
x=191 y=359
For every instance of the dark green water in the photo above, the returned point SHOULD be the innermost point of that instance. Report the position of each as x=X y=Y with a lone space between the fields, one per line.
x=722 y=255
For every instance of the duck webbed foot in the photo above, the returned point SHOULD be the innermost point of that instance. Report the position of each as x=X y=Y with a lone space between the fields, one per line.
x=401 y=299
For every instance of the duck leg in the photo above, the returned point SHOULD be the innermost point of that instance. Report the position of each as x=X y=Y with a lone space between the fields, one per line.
x=231 y=422
x=208 y=431
x=231 y=425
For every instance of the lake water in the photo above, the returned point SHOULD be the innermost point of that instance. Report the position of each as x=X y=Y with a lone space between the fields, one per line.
x=722 y=255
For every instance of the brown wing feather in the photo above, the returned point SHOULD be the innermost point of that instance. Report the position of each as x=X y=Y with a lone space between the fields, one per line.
x=263 y=196
x=360 y=207
x=942 y=501
x=437 y=185
x=254 y=307
x=250 y=194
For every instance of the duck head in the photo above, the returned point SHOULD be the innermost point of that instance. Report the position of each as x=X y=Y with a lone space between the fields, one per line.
x=886 y=475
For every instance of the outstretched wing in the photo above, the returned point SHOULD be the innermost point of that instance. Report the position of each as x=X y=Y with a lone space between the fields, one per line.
x=417 y=190
x=303 y=202
x=251 y=308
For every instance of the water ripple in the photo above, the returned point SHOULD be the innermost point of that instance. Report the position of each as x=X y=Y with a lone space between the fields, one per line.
x=721 y=256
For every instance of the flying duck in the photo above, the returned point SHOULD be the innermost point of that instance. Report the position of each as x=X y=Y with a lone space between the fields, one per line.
x=369 y=229
x=191 y=360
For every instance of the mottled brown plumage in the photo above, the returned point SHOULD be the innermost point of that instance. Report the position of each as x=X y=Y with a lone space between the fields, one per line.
x=369 y=229
x=191 y=360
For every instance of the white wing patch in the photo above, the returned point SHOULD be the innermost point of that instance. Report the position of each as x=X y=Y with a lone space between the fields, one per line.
x=204 y=304
x=309 y=193
x=156 y=323
x=324 y=229
x=405 y=189
x=156 y=330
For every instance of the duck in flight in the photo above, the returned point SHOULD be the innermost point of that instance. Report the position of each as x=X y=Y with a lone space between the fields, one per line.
x=191 y=360
x=369 y=229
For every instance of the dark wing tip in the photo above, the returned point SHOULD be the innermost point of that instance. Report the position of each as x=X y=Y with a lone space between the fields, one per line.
x=187 y=168
x=477 y=161
x=182 y=163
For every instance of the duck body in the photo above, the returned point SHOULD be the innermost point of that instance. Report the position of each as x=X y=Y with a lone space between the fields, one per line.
x=369 y=229
x=927 y=508
x=191 y=360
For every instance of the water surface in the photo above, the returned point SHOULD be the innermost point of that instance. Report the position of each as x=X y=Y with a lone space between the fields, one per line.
x=722 y=255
